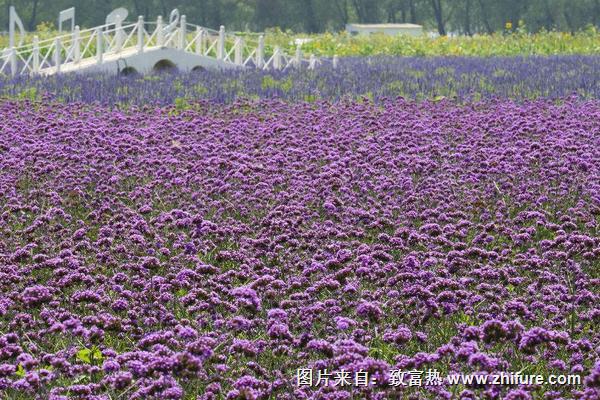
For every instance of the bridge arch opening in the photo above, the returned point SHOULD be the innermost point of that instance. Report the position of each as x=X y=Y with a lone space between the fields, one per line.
x=198 y=68
x=129 y=71
x=164 y=65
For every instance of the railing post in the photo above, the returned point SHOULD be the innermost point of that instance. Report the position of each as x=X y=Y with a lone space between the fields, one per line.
x=182 y=32
x=221 y=44
x=76 y=49
x=13 y=61
x=57 y=55
x=298 y=57
x=199 y=41
x=118 y=37
x=313 y=62
x=160 y=34
x=260 y=52
x=99 y=45
x=239 y=51
x=277 y=58
x=36 y=55
x=140 y=34
x=335 y=62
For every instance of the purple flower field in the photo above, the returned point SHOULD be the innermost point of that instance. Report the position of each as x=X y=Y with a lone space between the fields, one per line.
x=210 y=253
x=464 y=79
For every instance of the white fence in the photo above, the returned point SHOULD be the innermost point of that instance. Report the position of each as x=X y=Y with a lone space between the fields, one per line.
x=81 y=49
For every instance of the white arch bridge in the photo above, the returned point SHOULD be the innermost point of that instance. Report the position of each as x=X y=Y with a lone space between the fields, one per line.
x=118 y=47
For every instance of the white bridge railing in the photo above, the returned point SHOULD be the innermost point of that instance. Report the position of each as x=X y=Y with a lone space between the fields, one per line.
x=84 y=48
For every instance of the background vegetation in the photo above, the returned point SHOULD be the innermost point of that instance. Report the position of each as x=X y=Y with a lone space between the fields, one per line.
x=314 y=16
x=495 y=44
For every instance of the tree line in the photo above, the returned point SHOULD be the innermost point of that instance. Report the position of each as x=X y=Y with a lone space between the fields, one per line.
x=312 y=16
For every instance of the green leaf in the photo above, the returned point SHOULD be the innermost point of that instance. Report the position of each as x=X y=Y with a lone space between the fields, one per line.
x=97 y=354
x=20 y=371
x=89 y=356
x=84 y=355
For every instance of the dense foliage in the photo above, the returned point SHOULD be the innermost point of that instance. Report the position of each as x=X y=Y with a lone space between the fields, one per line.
x=375 y=78
x=464 y=16
x=156 y=254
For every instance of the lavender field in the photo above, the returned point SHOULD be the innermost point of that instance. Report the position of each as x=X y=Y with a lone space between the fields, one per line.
x=212 y=251
x=463 y=79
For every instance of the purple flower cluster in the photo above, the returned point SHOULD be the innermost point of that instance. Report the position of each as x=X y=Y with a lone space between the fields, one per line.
x=150 y=254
